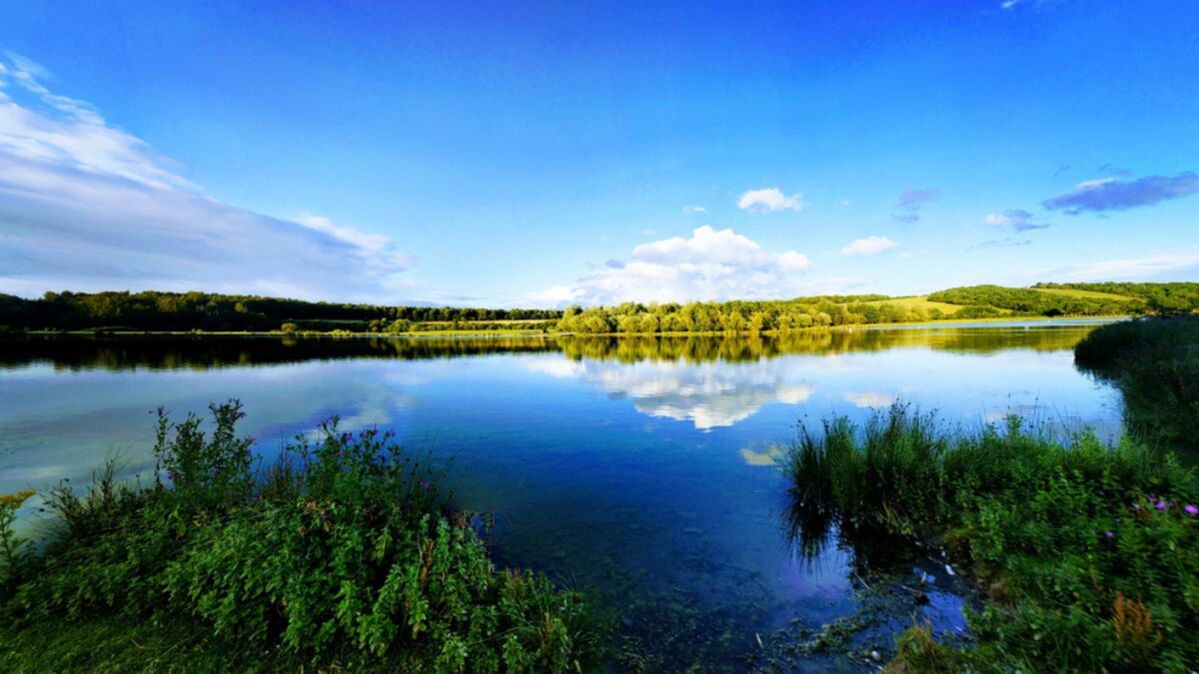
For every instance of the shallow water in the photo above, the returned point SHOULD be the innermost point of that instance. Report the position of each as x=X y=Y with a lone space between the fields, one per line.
x=641 y=470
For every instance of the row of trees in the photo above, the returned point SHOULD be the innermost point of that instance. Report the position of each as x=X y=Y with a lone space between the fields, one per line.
x=737 y=317
x=153 y=310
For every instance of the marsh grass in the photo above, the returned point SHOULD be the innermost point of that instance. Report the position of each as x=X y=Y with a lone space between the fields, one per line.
x=1155 y=364
x=1064 y=536
x=342 y=554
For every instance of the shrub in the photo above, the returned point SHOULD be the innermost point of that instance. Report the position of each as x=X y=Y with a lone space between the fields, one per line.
x=1091 y=551
x=342 y=551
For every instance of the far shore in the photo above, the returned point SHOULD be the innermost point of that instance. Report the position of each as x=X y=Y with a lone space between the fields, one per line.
x=996 y=321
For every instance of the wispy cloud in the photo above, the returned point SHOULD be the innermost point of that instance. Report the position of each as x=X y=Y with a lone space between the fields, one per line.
x=770 y=200
x=1173 y=264
x=694 y=209
x=709 y=265
x=87 y=206
x=1009 y=242
x=1015 y=219
x=1110 y=194
x=911 y=201
x=871 y=245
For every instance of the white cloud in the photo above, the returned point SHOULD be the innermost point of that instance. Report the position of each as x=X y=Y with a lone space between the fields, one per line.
x=769 y=200
x=87 y=206
x=1183 y=261
x=694 y=209
x=709 y=265
x=871 y=245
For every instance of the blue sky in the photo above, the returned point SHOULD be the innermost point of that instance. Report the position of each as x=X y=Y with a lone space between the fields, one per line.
x=546 y=153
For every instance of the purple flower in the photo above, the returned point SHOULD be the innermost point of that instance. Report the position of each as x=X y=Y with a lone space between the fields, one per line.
x=1161 y=505
x=1110 y=534
x=1136 y=506
x=1191 y=509
x=170 y=476
x=241 y=415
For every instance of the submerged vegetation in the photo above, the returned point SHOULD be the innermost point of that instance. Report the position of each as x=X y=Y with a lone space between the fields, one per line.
x=341 y=554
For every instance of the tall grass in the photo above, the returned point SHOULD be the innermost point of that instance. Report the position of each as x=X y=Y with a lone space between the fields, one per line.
x=1064 y=535
x=1155 y=364
x=342 y=554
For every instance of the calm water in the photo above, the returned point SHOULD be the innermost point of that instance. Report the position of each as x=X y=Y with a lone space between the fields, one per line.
x=642 y=470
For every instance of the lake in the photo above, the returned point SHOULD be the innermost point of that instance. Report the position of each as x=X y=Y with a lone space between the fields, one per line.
x=640 y=470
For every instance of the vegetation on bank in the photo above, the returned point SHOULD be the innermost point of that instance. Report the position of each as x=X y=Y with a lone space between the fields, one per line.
x=1155 y=364
x=1086 y=554
x=166 y=311
x=194 y=311
x=975 y=302
x=342 y=554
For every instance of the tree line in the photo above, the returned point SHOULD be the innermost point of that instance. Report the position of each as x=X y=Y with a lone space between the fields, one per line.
x=153 y=310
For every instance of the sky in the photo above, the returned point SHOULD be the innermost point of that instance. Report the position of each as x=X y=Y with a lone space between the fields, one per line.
x=546 y=154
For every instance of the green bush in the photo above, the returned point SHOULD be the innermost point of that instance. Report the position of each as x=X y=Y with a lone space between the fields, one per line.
x=1155 y=364
x=1088 y=553
x=341 y=552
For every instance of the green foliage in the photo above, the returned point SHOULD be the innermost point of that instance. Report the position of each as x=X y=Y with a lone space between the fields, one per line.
x=1037 y=302
x=1155 y=364
x=1090 y=552
x=1159 y=298
x=341 y=553
x=152 y=310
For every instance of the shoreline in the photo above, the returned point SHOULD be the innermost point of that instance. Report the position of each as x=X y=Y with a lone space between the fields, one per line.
x=950 y=322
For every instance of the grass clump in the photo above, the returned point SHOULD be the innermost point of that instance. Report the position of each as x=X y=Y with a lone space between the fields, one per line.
x=343 y=554
x=1086 y=555
x=1155 y=364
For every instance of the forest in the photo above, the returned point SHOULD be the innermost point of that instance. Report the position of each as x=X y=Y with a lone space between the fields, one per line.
x=152 y=311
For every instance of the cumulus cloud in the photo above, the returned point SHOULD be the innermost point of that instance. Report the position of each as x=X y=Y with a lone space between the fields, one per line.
x=769 y=200
x=911 y=201
x=87 y=206
x=1015 y=219
x=871 y=245
x=709 y=265
x=1110 y=194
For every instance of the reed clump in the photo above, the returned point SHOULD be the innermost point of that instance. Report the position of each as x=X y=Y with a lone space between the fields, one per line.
x=1095 y=546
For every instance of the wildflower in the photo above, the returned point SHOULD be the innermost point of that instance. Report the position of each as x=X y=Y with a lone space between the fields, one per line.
x=1191 y=509
x=1110 y=534
x=1136 y=506
x=241 y=415
x=170 y=476
x=1161 y=505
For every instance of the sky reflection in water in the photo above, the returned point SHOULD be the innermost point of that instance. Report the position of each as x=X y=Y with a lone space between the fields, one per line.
x=645 y=466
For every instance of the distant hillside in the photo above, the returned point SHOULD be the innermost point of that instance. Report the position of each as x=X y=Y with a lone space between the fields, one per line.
x=984 y=301
x=161 y=311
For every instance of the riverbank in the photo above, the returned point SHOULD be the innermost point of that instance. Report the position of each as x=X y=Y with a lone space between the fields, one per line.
x=1085 y=555
x=342 y=554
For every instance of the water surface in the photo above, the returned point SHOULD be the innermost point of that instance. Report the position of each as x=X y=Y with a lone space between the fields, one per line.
x=640 y=469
